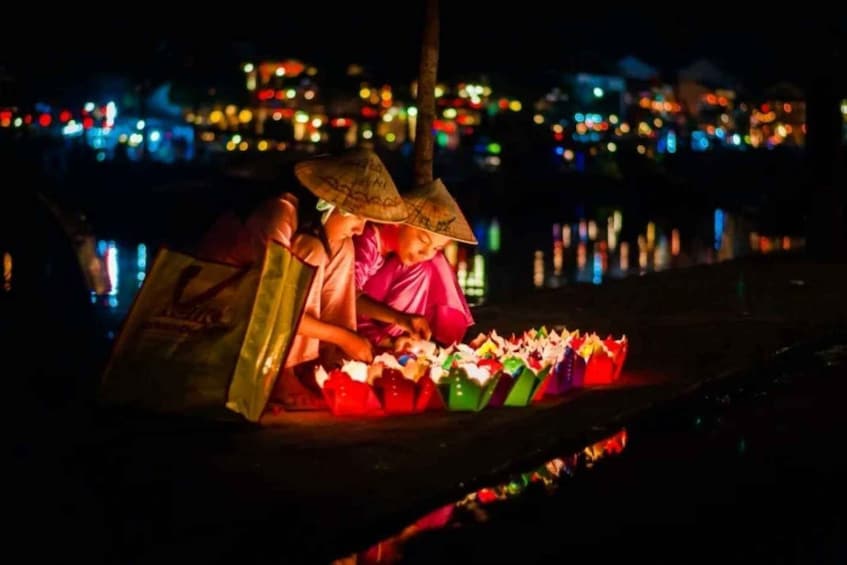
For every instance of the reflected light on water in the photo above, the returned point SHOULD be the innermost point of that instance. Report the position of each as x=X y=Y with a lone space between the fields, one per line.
x=141 y=262
x=592 y=230
x=7 y=271
x=604 y=254
x=494 y=236
x=786 y=243
x=611 y=234
x=113 y=270
x=608 y=256
x=642 y=253
x=581 y=255
x=538 y=269
x=105 y=263
x=478 y=506
x=474 y=285
x=642 y=260
x=558 y=258
x=661 y=259
x=726 y=250
x=765 y=245
x=597 y=274
x=719 y=227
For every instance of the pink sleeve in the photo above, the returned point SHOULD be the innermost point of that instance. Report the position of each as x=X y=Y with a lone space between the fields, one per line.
x=368 y=258
x=309 y=250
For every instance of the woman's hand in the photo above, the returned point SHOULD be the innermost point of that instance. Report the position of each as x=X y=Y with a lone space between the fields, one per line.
x=403 y=343
x=415 y=325
x=357 y=347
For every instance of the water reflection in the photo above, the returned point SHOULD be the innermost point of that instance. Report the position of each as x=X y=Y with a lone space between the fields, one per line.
x=7 y=271
x=474 y=508
x=591 y=251
x=538 y=269
x=473 y=281
x=494 y=236
x=699 y=454
x=114 y=272
x=719 y=228
x=141 y=263
x=586 y=251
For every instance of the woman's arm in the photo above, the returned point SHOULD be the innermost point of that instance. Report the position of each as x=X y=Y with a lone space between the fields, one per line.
x=367 y=306
x=354 y=345
x=412 y=323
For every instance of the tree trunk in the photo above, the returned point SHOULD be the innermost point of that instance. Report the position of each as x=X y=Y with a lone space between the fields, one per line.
x=424 y=143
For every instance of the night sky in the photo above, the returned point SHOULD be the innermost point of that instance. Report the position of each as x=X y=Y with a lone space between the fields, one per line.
x=759 y=49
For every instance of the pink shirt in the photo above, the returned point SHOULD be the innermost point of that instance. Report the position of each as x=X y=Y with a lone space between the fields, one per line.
x=369 y=257
x=332 y=298
x=429 y=289
x=243 y=243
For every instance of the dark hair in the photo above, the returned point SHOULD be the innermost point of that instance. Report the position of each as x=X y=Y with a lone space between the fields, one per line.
x=309 y=218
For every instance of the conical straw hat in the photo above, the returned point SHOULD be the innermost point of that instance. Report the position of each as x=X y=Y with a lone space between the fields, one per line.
x=433 y=209
x=355 y=181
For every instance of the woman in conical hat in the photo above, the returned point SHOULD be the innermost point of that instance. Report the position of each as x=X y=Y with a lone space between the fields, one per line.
x=404 y=281
x=350 y=189
x=344 y=191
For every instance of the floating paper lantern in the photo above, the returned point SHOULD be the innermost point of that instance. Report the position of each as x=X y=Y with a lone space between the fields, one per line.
x=345 y=393
x=467 y=387
x=490 y=371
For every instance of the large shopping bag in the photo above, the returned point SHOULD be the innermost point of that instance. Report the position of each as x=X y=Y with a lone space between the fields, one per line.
x=203 y=335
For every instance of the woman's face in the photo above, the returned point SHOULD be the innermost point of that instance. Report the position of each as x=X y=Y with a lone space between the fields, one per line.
x=341 y=225
x=415 y=246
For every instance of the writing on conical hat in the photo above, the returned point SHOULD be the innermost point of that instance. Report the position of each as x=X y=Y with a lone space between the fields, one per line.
x=434 y=209
x=357 y=182
x=372 y=185
x=424 y=215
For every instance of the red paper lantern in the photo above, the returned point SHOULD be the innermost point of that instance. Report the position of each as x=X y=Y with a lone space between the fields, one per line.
x=600 y=369
x=346 y=397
